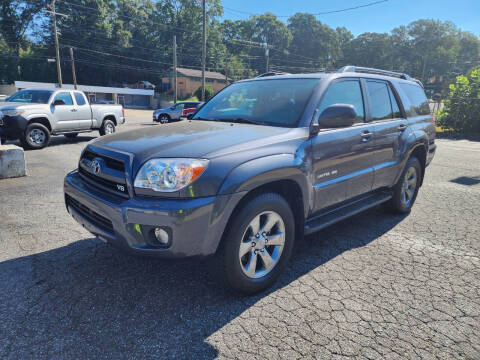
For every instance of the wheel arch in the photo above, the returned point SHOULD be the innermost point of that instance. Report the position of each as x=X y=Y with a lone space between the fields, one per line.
x=110 y=117
x=40 y=120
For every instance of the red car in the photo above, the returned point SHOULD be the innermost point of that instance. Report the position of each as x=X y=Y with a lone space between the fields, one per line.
x=190 y=110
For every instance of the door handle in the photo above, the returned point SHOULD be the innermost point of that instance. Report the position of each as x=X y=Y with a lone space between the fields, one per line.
x=402 y=127
x=366 y=136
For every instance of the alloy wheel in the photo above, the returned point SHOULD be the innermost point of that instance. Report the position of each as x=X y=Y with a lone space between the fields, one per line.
x=409 y=186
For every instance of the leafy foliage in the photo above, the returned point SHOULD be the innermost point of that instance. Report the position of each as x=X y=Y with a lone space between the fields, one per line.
x=462 y=106
x=208 y=92
x=119 y=42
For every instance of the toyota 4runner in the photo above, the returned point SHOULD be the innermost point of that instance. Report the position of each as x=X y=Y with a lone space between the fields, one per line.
x=263 y=162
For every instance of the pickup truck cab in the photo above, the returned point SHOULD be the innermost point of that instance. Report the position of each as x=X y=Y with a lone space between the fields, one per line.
x=263 y=162
x=32 y=116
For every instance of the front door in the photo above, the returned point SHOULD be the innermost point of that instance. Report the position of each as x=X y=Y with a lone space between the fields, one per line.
x=64 y=114
x=390 y=126
x=342 y=158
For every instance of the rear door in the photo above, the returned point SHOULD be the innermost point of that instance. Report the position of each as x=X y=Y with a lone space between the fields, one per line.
x=342 y=158
x=83 y=113
x=64 y=114
x=390 y=128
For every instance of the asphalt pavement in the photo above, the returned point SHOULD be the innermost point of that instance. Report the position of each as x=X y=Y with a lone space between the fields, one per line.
x=375 y=286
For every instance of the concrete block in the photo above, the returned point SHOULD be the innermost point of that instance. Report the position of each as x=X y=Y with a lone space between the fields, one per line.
x=12 y=161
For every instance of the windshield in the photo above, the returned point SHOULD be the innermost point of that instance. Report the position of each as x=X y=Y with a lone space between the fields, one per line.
x=31 y=96
x=276 y=102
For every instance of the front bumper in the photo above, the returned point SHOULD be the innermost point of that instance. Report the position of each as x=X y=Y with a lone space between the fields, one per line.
x=12 y=127
x=195 y=225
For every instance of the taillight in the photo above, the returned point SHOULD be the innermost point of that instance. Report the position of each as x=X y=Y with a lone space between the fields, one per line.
x=123 y=112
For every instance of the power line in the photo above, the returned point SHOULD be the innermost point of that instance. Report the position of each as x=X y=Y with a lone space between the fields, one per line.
x=315 y=14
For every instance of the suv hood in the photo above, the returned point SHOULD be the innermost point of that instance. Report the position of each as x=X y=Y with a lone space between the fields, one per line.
x=196 y=139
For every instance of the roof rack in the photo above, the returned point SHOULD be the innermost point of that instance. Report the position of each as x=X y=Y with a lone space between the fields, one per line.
x=271 y=73
x=367 y=70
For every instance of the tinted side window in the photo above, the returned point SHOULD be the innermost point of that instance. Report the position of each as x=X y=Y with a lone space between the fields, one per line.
x=344 y=92
x=396 y=109
x=418 y=100
x=381 y=106
x=67 y=99
x=80 y=99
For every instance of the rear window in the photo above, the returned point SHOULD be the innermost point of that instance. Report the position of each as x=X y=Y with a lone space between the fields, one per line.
x=418 y=101
x=80 y=99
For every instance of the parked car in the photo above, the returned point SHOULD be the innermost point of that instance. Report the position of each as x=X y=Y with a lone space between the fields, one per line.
x=307 y=151
x=32 y=116
x=173 y=112
x=190 y=110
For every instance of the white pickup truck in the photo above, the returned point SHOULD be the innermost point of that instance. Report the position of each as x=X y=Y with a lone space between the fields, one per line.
x=32 y=116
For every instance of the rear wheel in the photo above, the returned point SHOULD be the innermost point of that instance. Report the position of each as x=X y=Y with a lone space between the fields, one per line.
x=258 y=244
x=406 y=190
x=108 y=127
x=71 y=135
x=36 y=136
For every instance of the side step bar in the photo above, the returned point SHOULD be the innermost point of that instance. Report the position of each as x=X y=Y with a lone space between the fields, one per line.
x=331 y=217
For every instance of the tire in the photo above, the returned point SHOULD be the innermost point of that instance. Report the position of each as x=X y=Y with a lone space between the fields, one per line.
x=36 y=136
x=406 y=190
x=107 y=128
x=164 y=118
x=235 y=270
x=71 y=135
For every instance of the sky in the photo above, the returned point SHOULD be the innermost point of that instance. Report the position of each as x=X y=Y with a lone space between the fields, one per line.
x=382 y=17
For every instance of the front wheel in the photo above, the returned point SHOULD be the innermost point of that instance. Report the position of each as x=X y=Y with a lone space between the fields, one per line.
x=258 y=244
x=164 y=118
x=108 y=127
x=406 y=190
x=36 y=136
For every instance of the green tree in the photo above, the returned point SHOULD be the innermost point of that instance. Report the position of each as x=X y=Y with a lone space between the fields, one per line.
x=208 y=92
x=462 y=106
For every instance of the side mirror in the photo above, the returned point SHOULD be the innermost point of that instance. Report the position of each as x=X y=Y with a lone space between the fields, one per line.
x=190 y=116
x=337 y=116
x=58 y=102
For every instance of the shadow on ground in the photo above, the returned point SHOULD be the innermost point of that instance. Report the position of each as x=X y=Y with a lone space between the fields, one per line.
x=60 y=140
x=87 y=300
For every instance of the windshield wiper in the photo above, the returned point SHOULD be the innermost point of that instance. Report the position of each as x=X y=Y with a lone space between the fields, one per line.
x=242 y=121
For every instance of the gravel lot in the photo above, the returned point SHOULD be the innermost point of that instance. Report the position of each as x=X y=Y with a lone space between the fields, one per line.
x=374 y=286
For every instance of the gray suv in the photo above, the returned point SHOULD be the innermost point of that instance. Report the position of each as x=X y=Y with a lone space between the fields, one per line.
x=264 y=162
x=173 y=112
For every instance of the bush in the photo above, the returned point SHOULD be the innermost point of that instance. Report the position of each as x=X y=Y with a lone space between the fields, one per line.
x=208 y=92
x=462 y=106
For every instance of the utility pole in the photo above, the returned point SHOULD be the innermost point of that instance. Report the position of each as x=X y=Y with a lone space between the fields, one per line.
x=267 y=55
x=174 y=69
x=204 y=47
x=74 y=75
x=57 y=47
x=226 y=70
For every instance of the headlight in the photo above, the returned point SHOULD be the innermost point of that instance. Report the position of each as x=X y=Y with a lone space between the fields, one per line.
x=168 y=175
x=12 y=112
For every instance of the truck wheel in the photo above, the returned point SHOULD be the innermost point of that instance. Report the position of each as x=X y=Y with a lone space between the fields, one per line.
x=108 y=127
x=257 y=245
x=37 y=136
x=71 y=135
x=406 y=190
x=164 y=118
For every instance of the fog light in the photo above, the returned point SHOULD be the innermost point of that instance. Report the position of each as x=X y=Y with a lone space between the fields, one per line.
x=161 y=235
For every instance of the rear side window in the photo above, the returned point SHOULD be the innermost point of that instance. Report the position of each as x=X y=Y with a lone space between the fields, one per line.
x=80 y=99
x=418 y=100
x=344 y=92
x=381 y=106
x=67 y=99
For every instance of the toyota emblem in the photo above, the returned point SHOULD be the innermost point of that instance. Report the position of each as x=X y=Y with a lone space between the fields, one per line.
x=95 y=167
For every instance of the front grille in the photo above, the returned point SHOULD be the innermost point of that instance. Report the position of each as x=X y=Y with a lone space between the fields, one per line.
x=93 y=217
x=111 y=163
x=111 y=176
